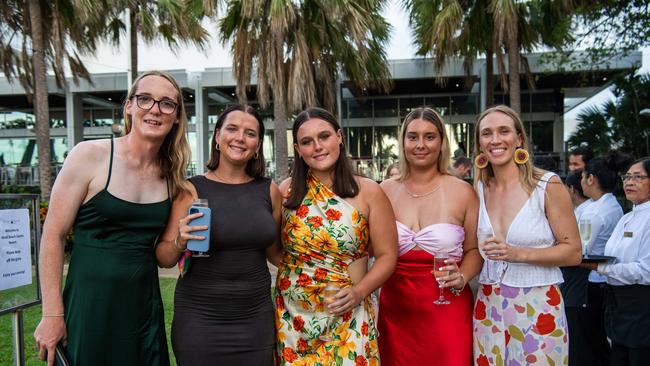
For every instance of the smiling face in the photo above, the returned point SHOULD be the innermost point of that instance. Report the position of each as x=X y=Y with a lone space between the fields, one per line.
x=318 y=144
x=238 y=138
x=637 y=190
x=422 y=143
x=498 y=138
x=152 y=122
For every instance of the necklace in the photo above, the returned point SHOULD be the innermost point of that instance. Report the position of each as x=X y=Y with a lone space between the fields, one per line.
x=414 y=195
x=223 y=180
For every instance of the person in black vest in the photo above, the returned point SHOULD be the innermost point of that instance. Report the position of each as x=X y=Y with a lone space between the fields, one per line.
x=627 y=314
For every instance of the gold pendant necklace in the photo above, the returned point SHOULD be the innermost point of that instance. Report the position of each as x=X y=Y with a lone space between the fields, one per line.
x=414 y=195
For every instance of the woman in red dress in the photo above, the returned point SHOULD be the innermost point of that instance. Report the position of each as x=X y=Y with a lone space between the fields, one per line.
x=434 y=212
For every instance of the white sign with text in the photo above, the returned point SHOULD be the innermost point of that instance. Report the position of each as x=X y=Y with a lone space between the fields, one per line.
x=15 y=252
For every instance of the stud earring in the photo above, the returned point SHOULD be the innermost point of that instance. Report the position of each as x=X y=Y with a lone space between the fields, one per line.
x=521 y=156
x=481 y=161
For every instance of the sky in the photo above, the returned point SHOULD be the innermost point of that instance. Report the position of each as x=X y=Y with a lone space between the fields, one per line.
x=159 y=56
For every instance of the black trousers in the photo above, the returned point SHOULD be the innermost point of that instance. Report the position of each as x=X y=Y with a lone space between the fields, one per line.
x=588 y=345
x=626 y=356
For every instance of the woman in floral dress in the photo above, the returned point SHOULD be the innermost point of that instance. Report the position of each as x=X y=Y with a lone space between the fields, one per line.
x=330 y=218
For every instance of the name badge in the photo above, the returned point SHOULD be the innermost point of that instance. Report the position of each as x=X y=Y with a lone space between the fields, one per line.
x=628 y=234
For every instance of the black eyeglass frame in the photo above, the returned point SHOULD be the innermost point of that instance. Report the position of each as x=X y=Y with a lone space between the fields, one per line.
x=137 y=102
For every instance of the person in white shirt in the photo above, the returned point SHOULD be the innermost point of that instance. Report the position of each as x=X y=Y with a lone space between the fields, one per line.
x=519 y=313
x=588 y=342
x=627 y=313
x=574 y=287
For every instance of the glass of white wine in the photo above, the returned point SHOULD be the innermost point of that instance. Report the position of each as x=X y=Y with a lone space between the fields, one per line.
x=329 y=294
x=585 y=235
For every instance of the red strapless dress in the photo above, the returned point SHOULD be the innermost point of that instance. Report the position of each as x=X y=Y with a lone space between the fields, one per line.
x=414 y=331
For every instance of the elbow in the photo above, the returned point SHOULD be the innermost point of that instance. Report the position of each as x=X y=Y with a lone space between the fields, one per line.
x=575 y=258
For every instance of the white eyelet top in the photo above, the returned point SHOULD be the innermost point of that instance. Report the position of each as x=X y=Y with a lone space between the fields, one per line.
x=530 y=229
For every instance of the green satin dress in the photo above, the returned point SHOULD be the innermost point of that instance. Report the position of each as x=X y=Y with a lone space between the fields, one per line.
x=113 y=308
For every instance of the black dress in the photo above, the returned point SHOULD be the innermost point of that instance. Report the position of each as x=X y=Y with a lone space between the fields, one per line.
x=223 y=313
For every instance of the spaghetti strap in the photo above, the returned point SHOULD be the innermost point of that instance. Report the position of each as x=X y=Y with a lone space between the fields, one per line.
x=110 y=166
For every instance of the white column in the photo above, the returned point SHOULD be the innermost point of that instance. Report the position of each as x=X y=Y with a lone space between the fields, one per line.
x=202 y=130
x=74 y=118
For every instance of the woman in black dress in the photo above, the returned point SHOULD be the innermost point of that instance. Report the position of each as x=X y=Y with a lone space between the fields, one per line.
x=223 y=313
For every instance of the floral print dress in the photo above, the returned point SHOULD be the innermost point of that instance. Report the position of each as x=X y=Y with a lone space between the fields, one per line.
x=321 y=238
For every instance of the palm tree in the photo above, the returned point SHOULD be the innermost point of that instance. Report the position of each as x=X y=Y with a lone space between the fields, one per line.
x=299 y=48
x=454 y=28
x=467 y=28
x=177 y=22
x=34 y=35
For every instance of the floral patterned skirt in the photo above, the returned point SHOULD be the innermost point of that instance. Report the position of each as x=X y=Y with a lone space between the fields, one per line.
x=520 y=326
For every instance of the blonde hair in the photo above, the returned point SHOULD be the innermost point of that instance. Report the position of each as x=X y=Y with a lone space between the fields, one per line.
x=529 y=175
x=429 y=115
x=174 y=154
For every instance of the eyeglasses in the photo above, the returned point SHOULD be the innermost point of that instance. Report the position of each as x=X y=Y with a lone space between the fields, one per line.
x=146 y=102
x=633 y=178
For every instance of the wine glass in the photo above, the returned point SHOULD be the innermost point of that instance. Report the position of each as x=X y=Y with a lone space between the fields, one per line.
x=585 y=234
x=483 y=233
x=329 y=293
x=439 y=261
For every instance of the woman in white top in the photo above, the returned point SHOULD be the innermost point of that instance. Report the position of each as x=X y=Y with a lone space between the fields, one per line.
x=519 y=314
x=627 y=314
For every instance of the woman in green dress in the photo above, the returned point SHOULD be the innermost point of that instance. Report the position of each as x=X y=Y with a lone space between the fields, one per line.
x=116 y=196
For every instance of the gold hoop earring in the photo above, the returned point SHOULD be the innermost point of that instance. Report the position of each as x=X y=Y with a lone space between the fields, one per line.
x=521 y=156
x=481 y=161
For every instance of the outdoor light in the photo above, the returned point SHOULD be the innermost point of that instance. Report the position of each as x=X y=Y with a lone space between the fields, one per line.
x=645 y=112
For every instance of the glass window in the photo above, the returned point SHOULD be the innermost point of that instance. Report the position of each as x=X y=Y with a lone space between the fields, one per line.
x=542 y=136
x=359 y=142
x=459 y=136
x=360 y=109
x=9 y=120
x=385 y=149
x=385 y=108
x=440 y=104
x=464 y=104
x=544 y=102
x=406 y=105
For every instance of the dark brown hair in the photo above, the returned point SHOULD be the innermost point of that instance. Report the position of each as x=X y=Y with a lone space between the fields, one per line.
x=345 y=184
x=255 y=167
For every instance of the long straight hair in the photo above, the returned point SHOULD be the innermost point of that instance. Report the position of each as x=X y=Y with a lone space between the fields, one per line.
x=429 y=115
x=255 y=167
x=529 y=175
x=174 y=153
x=345 y=184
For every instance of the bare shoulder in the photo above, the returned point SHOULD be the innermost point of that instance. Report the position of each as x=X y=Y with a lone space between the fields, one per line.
x=274 y=191
x=458 y=186
x=284 y=187
x=368 y=186
x=389 y=185
x=555 y=187
x=88 y=156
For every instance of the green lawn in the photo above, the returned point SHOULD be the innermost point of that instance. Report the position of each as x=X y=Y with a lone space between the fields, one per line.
x=32 y=316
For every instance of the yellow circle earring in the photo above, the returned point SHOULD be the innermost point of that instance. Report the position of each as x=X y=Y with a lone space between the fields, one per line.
x=521 y=156
x=481 y=161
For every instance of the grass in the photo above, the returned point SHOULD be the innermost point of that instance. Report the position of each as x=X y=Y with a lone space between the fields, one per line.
x=32 y=315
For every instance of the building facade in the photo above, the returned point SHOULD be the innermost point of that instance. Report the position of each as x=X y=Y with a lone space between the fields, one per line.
x=370 y=120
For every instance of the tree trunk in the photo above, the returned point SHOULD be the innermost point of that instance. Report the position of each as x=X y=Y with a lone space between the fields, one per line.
x=489 y=76
x=41 y=107
x=280 y=137
x=513 y=70
x=133 y=42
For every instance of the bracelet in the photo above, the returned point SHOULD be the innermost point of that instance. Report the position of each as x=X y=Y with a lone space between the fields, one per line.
x=456 y=291
x=177 y=245
x=52 y=315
